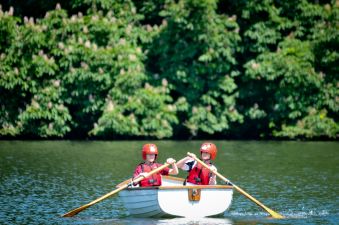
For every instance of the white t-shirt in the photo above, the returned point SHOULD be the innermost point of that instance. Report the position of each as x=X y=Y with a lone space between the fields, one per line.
x=189 y=165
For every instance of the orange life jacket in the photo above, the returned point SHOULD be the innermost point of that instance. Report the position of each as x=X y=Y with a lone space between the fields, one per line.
x=154 y=180
x=199 y=175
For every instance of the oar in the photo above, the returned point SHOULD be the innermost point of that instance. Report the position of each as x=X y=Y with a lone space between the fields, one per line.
x=81 y=208
x=270 y=211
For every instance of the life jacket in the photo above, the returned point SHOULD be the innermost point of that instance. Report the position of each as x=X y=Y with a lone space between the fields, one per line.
x=199 y=175
x=154 y=179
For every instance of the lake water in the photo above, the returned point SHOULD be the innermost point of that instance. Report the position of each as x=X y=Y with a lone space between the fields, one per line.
x=41 y=180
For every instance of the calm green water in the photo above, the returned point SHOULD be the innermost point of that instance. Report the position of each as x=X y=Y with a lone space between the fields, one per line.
x=42 y=180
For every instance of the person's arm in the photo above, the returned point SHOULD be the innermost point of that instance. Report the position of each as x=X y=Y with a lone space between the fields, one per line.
x=174 y=170
x=181 y=163
x=213 y=178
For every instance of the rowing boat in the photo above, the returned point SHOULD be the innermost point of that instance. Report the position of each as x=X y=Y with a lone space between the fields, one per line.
x=173 y=199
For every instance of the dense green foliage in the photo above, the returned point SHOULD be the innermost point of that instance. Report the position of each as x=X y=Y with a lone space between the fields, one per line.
x=170 y=69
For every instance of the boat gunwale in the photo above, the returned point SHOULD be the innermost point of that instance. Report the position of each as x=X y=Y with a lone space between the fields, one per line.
x=175 y=187
x=164 y=177
x=181 y=187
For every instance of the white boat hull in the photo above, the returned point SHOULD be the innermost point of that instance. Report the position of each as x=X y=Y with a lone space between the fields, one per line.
x=173 y=199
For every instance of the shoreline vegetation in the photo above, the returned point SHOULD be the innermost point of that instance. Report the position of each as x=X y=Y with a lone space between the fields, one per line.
x=181 y=70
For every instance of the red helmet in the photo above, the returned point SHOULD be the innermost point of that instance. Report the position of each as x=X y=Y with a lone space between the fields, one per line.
x=149 y=149
x=209 y=148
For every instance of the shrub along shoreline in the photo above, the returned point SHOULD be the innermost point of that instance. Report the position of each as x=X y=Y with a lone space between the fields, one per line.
x=187 y=69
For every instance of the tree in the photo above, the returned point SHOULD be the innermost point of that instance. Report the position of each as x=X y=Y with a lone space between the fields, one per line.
x=195 y=51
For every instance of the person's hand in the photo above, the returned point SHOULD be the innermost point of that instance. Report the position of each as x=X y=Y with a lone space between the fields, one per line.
x=213 y=169
x=192 y=155
x=170 y=161
x=143 y=175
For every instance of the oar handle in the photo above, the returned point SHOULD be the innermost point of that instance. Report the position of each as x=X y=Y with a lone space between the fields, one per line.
x=270 y=211
x=81 y=208
x=137 y=180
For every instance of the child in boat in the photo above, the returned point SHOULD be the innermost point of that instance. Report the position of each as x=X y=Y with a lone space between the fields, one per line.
x=197 y=174
x=149 y=155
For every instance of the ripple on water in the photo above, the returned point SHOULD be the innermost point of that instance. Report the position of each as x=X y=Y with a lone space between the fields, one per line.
x=41 y=181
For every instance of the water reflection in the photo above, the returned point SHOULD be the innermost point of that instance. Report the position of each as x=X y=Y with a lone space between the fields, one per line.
x=174 y=221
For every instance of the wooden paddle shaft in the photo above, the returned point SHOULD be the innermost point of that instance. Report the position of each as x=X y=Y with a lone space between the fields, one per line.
x=270 y=211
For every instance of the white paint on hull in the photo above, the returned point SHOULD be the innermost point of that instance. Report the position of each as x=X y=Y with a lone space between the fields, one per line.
x=171 y=199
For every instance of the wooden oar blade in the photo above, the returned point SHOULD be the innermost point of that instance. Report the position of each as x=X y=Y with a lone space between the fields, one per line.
x=274 y=214
x=75 y=211
x=247 y=195
x=270 y=211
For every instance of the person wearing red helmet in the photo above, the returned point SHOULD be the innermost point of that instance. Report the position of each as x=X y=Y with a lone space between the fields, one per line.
x=149 y=155
x=197 y=174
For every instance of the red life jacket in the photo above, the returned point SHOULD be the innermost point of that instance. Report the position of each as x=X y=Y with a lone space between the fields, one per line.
x=199 y=175
x=154 y=180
